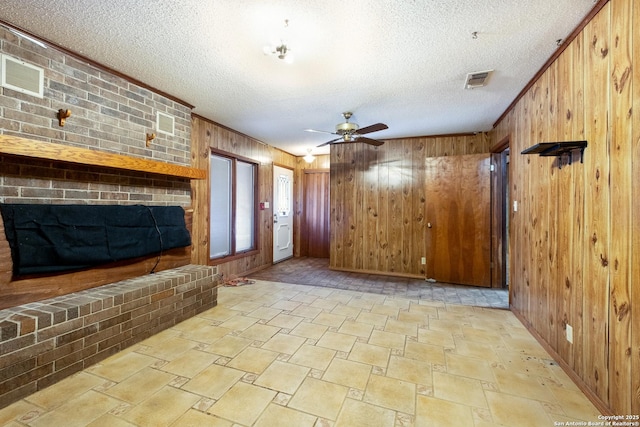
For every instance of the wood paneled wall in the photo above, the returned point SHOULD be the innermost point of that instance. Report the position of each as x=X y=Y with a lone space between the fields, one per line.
x=575 y=239
x=207 y=135
x=378 y=201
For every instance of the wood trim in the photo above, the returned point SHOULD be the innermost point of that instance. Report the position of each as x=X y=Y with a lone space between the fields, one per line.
x=316 y=170
x=597 y=402
x=501 y=145
x=23 y=147
x=283 y=166
x=218 y=261
x=230 y=155
x=551 y=60
x=378 y=273
x=96 y=64
x=444 y=135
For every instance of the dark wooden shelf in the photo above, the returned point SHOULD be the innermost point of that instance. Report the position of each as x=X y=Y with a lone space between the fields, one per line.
x=17 y=146
x=557 y=149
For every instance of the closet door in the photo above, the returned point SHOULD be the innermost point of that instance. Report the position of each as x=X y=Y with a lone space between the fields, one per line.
x=458 y=214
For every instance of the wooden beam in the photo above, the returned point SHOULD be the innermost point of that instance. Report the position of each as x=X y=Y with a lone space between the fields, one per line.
x=23 y=147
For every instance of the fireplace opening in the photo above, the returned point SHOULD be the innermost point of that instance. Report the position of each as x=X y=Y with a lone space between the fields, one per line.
x=57 y=238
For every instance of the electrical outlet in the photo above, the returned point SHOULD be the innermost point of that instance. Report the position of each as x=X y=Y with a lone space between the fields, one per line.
x=570 y=334
x=515 y=206
x=423 y=260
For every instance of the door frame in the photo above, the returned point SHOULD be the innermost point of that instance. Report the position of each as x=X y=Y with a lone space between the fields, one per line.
x=499 y=213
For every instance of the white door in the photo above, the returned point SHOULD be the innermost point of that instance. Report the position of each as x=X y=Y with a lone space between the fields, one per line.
x=282 y=213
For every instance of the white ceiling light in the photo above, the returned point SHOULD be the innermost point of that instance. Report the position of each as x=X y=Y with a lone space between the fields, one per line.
x=280 y=48
x=309 y=158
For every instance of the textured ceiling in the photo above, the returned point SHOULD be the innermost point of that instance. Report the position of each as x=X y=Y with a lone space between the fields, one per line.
x=400 y=62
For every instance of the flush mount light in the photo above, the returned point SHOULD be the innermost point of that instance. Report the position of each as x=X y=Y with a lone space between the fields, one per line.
x=280 y=48
x=309 y=158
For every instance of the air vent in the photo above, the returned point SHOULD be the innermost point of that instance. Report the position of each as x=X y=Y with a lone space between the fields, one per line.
x=22 y=77
x=164 y=123
x=477 y=79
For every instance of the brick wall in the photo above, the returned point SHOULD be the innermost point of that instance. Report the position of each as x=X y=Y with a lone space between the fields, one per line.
x=109 y=113
x=46 y=341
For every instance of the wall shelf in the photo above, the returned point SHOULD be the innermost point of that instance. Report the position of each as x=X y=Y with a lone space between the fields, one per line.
x=557 y=149
x=23 y=147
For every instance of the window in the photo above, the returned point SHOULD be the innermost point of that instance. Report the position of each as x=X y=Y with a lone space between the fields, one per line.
x=233 y=205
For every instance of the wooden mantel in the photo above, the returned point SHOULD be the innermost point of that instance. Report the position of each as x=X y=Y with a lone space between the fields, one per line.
x=17 y=146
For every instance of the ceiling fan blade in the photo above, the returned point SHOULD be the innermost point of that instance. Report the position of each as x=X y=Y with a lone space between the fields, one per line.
x=372 y=128
x=320 y=131
x=369 y=141
x=330 y=142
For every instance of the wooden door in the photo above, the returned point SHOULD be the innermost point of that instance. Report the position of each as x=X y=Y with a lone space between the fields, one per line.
x=314 y=237
x=458 y=212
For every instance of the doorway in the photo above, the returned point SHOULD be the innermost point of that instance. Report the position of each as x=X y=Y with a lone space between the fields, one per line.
x=282 y=213
x=500 y=214
x=314 y=236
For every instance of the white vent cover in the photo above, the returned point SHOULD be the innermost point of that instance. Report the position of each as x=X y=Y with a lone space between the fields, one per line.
x=477 y=79
x=164 y=123
x=22 y=77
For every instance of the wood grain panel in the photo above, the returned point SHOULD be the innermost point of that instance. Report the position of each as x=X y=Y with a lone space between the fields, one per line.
x=621 y=183
x=337 y=197
x=418 y=208
x=550 y=266
x=383 y=234
x=635 y=218
x=597 y=220
x=570 y=183
x=372 y=209
x=395 y=207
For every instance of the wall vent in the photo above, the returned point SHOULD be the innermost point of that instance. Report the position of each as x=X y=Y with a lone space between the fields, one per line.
x=477 y=79
x=164 y=123
x=21 y=77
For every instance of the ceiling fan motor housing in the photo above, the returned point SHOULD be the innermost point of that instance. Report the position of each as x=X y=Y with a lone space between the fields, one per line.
x=346 y=128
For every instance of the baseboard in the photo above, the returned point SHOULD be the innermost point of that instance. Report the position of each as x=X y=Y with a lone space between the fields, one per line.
x=379 y=273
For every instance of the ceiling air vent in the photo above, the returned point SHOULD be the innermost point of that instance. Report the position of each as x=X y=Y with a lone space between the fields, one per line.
x=477 y=79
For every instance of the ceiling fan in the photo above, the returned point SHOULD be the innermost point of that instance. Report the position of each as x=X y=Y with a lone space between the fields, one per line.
x=349 y=132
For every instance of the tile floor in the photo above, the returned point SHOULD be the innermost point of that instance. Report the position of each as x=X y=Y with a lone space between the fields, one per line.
x=279 y=354
x=315 y=272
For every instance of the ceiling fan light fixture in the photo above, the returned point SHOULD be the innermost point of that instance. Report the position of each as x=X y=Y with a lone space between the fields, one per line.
x=280 y=48
x=347 y=127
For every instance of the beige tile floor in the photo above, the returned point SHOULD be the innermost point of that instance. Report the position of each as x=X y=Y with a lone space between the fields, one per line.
x=276 y=354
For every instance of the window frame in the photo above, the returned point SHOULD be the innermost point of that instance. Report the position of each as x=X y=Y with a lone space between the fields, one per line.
x=234 y=254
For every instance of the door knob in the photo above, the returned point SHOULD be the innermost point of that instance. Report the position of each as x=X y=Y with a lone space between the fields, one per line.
x=275 y=218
